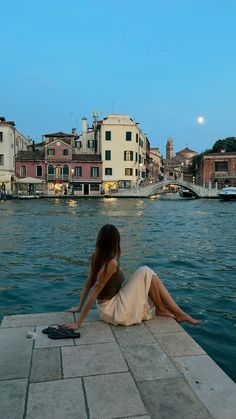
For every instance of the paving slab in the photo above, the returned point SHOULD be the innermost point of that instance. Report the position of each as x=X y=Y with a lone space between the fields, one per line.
x=16 y=351
x=135 y=335
x=95 y=332
x=179 y=344
x=212 y=386
x=43 y=341
x=171 y=399
x=12 y=398
x=62 y=399
x=113 y=396
x=83 y=360
x=149 y=362
x=46 y=365
x=163 y=325
x=37 y=319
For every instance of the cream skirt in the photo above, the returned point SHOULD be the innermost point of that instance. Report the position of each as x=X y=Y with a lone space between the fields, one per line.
x=131 y=305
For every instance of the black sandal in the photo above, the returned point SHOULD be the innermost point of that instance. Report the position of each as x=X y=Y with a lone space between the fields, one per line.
x=62 y=333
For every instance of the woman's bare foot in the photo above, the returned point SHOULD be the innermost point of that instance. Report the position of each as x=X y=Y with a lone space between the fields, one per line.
x=164 y=313
x=184 y=317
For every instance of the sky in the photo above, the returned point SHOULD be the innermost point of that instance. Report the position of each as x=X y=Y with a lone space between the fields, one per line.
x=165 y=63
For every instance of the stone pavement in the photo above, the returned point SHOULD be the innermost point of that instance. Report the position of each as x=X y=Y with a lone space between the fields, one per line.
x=152 y=370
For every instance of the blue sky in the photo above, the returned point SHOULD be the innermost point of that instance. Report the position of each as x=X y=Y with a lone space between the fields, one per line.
x=163 y=62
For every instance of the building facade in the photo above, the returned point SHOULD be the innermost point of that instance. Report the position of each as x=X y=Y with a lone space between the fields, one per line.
x=11 y=141
x=59 y=164
x=125 y=151
x=177 y=166
x=155 y=166
x=219 y=168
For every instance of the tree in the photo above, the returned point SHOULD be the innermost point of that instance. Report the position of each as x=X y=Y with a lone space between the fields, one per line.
x=227 y=144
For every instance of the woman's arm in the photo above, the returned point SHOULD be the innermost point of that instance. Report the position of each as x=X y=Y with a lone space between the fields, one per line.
x=83 y=295
x=102 y=278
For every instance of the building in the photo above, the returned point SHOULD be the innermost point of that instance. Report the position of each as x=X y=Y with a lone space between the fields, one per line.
x=11 y=141
x=125 y=151
x=155 y=166
x=59 y=164
x=178 y=166
x=219 y=167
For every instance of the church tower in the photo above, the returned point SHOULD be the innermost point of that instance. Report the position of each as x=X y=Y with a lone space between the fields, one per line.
x=169 y=149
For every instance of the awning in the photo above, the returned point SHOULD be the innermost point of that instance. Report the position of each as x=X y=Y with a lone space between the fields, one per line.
x=29 y=180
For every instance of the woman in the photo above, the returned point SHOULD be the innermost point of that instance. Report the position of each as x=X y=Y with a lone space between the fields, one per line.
x=130 y=304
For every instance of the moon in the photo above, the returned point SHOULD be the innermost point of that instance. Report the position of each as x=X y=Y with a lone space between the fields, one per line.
x=200 y=120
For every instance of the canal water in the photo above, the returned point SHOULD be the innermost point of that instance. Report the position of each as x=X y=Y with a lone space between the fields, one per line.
x=191 y=244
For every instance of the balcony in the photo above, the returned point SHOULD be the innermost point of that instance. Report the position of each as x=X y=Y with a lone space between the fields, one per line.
x=223 y=175
x=64 y=178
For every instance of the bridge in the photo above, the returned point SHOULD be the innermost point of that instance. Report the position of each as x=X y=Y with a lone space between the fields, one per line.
x=154 y=188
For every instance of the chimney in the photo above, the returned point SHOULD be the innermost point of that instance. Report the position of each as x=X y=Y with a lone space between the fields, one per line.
x=84 y=124
x=74 y=131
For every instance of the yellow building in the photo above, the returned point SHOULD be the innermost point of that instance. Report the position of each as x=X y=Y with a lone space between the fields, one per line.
x=124 y=149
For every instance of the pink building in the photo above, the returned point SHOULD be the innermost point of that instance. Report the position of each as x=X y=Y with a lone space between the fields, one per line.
x=62 y=171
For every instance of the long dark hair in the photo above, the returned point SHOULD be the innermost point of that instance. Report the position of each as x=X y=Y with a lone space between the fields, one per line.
x=107 y=248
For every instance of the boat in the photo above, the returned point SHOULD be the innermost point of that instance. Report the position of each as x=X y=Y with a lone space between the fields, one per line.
x=186 y=193
x=228 y=193
x=28 y=197
x=5 y=195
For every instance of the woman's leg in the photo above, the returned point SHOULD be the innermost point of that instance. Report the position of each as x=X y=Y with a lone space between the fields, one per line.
x=154 y=294
x=158 y=288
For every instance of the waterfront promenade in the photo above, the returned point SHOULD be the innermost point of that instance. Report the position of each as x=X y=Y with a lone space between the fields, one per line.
x=151 y=370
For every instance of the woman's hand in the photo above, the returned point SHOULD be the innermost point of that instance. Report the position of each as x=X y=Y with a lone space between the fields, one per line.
x=74 y=310
x=71 y=326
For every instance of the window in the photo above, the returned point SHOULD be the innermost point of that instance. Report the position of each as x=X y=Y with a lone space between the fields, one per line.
x=221 y=166
x=65 y=152
x=94 y=187
x=136 y=138
x=78 y=171
x=128 y=136
x=1 y=159
x=78 y=144
x=23 y=171
x=108 y=155
x=108 y=171
x=94 y=171
x=51 y=151
x=39 y=171
x=77 y=186
x=140 y=158
x=1 y=137
x=90 y=144
x=128 y=155
x=140 y=142
x=108 y=135
x=50 y=169
x=128 y=172
x=65 y=170
x=136 y=172
x=136 y=157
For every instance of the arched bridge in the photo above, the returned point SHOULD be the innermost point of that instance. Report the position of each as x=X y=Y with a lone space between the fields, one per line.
x=152 y=189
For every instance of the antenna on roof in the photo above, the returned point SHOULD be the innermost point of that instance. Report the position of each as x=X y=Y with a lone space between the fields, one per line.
x=95 y=116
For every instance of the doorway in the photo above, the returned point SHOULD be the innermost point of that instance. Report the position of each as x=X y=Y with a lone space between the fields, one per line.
x=86 y=189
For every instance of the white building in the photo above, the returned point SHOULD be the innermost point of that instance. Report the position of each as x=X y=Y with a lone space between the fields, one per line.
x=11 y=141
x=124 y=150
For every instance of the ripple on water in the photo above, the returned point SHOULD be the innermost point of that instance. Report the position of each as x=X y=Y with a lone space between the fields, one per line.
x=45 y=245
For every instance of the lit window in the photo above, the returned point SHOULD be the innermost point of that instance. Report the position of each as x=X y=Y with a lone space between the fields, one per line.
x=128 y=155
x=128 y=172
